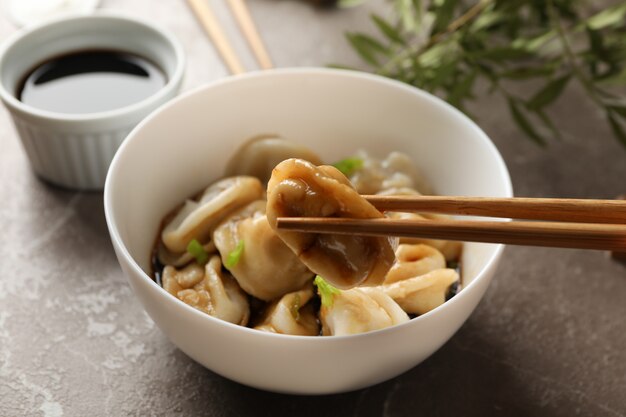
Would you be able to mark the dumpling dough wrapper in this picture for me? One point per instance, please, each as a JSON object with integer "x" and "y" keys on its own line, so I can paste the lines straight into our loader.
{"x": 360, "y": 310}
{"x": 298, "y": 188}
{"x": 198, "y": 219}
{"x": 292, "y": 314}
{"x": 267, "y": 268}
{"x": 209, "y": 289}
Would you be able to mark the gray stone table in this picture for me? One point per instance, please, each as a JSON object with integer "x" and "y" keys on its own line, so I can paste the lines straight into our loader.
{"x": 548, "y": 339}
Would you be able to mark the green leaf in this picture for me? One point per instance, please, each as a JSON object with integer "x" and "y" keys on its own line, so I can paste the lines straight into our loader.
{"x": 524, "y": 73}
{"x": 533, "y": 44}
{"x": 234, "y": 257}
{"x": 435, "y": 55}
{"x": 614, "y": 80}
{"x": 617, "y": 129}
{"x": 326, "y": 291}
{"x": 349, "y": 3}
{"x": 487, "y": 19}
{"x": 499, "y": 54}
{"x": 547, "y": 122}
{"x": 418, "y": 8}
{"x": 620, "y": 110}
{"x": 566, "y": 8}
{"x": 367, "y": 47}
{"x": 443, "y": 15}
{"x": 596, "y": 42}
{"x": 462, "y": 89}
{"x": 442, "y": 75}
{"x": 549, "y": 93}
{"x": 349, "y": 165}
{"x": 608, "y": 17}
{"x": 522, "y": 121}
{"x": 196, "y": 250}
{"x": 388, "y": 30}
{"x": 409, "y": 13}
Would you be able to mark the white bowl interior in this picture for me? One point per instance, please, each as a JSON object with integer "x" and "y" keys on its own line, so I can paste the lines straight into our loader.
{"x": 185, "y": 145}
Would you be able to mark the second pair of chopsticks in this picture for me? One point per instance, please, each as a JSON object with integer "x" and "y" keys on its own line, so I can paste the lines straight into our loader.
{"x": 573, "y": 223}
{"x": 214, "y": 29}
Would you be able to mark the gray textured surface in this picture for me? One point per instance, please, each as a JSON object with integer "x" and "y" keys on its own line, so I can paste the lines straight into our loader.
{"x": 547, "y": 340}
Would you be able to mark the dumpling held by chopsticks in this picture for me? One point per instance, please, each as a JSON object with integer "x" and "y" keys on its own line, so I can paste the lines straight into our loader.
{"x": 298, "y": 188}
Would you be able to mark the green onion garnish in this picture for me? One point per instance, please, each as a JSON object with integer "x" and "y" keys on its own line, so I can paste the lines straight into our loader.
{"x": 197, "y": 251}
{"x": 234, "y": 256}
{"x": 326, "y": 291}
{"x": 295, "y": 307}
{"x": 349, "y": 165}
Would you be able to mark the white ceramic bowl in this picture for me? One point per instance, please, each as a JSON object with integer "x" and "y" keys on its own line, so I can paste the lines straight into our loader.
{"x": 75, "y": 150}
{"x": 184, "y": 146}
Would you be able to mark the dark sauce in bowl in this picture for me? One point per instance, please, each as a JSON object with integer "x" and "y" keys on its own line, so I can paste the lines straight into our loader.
{"x": 90, "y": 81}
{"x": 456, "y": 286}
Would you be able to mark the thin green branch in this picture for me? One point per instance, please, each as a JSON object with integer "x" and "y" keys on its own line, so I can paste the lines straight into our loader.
{"x": 505, "y": 40}
{"x": 417, "y": 50}
{"x": 571, "y": 58}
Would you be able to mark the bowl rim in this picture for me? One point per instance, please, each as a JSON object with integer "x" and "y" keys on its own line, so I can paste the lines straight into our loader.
{"x": 172, "y": 84}
{"x": 303, "y": 71}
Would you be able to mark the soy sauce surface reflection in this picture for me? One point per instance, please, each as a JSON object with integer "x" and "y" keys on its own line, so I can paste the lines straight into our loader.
{"x": 91, "y": 81}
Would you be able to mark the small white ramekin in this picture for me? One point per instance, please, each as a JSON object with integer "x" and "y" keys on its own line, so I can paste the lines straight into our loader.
{"x": 75, "y": 150}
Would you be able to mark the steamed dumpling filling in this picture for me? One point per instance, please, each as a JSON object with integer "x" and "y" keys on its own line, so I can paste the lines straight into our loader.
{"x": 221, "y": 253}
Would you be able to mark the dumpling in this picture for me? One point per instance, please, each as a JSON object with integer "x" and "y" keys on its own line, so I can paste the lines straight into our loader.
{"x": 396, "y": 171}
{"x": 398, "y": 191}
{"x": 258, "y": 156}
{"x": 420, "y": 294}
{"x": 414, "y": 260}
{"x": 292, "y": 314}
{"x": 368, "y": 178}
{"x": 360, "y": 310}
{"x": 197, "y": 219}
{"x": 450, "y": 249}
{"x": 403, "y": 173}
{"x": 266, "y": 268}
{"x": 298, "y": 188}
{"x": 209, "y": 290}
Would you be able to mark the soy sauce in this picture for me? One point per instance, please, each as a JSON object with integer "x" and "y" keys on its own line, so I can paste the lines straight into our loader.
{"x": 91, "y": 81}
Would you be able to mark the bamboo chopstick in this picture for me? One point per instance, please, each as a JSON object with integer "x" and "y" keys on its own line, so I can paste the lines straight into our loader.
{"x": 556, "y": 209}
{"x": 553, "y": 234}
{"x": 250, "y": 32}
{"x": 211, "y": 25}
